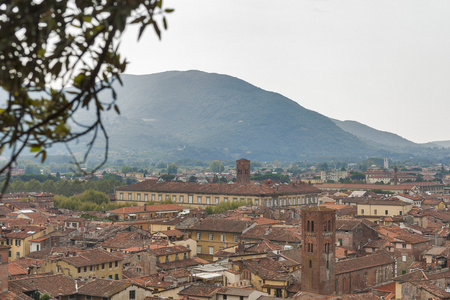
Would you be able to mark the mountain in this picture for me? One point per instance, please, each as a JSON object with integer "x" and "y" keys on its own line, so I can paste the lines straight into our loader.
{"x": 193, "y": 114}
{"x": 211, "y": 116}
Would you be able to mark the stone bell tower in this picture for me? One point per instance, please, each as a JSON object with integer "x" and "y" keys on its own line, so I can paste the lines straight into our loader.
{"x": 243, "y": 171}
{"x": 318, "y": 250}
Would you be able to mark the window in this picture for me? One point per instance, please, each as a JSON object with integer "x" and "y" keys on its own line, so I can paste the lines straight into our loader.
{"x": 110, "y": 265}
{"x": 225, "y": 199}
{"x": 138, "y": 197}
{"x": 174, "y": 198}
{"x": 224, "y": 297}
{"x": 85, "y": 269}
{"x": 132, "y": 295}
{"x": 145, "y": 197}
{"x": 375, "y": 211}
{"x": 103, "y": 266}
{"x": 157, "y": 259}
{"x": 400, "y": 213}
{"x": 211, "y": 236}
{"x": 184, "y": 255}
{"x": 211, "y": 250}
{"x": 139, "y": 257}
{"x": 71, "y": 296}
{"x": 235, "y": 238}
{"x": 116, "y": 277}
{"x": 79, "y": 270}
{"x": 404, "y": 246}
{"x": 159, "y": 198}
{"x": 0, "y": 259}
{"x": 138, "y": 270}
{"x": 176, "y": 256}
{"x": 199, "y": 199}
{"x": 222, "y": 237}
{"x": 190, "y": 198}
{"x": 386, "y": 212}
{"x": 167, "y": 258}
{"x": 153, "y": 197}
{"x": 256, "y": 202}
{"x": 17, "y": 254}
{"x": 88, "y": 297}
{"x": 362, "y": 211}
{"x": 121, "y": 196}
{"x": 403, "y": 258}
{"x": 181, "y": 198}
{"x": 199, "y": 235}
{"x": 116, "y": 264}
{"x": 17, "y": 242}
{"x": 208, "y": 200}
{"x": 310, "y": 264}
{"x": 234, "y": 199}
{"x": 129, "y": 196}
{"x": 217, "y": 200}
{"x": 199, "y": 249}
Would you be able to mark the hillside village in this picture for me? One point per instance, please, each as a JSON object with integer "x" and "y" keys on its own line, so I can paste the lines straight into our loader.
{"x": 315, "y": 237}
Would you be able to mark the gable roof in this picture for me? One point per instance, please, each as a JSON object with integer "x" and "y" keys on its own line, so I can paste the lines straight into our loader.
{"x": 255, "y": 189}
{"x": 364, "y": 262}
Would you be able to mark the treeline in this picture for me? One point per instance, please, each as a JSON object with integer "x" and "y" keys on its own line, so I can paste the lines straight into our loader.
{"x": 63, "y": 187}
{"x": 224, "y": 206}
{"x": 89, "y": 200}
{"x": 272, "y": 177}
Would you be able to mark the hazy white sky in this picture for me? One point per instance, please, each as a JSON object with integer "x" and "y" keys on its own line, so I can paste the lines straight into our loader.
{"x": 384, "y": 63}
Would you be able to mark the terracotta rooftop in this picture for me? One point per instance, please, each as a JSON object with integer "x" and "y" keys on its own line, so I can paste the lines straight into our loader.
{"x": 272, "y": 233}
{"x": 91, "y": 257}
{"x": 199, "y": 291}
{"x": 146, "y": 208}
{"x": 354, "y": 264}
{"x": 254, "y": 189}
{"x": 102, "y": 287}
{"x": 221, "y": 225}
{"x": 53, "y": 284}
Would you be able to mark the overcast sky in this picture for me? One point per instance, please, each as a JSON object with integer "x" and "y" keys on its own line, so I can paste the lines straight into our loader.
{"x": 382, "y": 63}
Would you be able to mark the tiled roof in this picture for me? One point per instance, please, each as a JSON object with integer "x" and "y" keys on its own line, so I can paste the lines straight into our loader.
{"x": 221, "y": 225}
{"x": 91, "y": 257}
{"x": 53, "y": 251}
{"x": 272, "y": 233}
{"x": 183, "y": 263}
{"x": 343, "y": 224}
{"x": 267, "y": 268}
{"x": 233, "y": 291}
{"x": 102, "y": 287}
{"x": 146, "y": 208}
{"x": 359, "y": 263}
{"x": 199, "y": 290}
{"x": 311, "y": 296}
{"x": 170, "y": 250}
{"x": 259, "y": 190}
{"x": 53, "y": 284}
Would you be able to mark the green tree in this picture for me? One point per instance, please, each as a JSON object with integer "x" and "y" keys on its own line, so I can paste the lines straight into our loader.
{"x": 33, "y": 186}
{"x": 216, "y": 166}
{"x": 65, "y": 44}
{"x": 192, "y": 179}
{"x": 32, "y": 169}
{"x": 172, "y": 169}
{"x": 48, "y": 186}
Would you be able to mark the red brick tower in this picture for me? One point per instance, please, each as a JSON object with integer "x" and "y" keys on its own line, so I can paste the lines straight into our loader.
{"x": 243, "y": 171}
{"x": 4, "y": 251}
{"x": 318, "y": 250}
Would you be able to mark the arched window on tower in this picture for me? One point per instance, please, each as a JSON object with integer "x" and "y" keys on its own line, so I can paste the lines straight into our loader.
{"x": 329, "y": 226}
{"x": 312, "y": 226}
{"x": 308, "y": 226}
